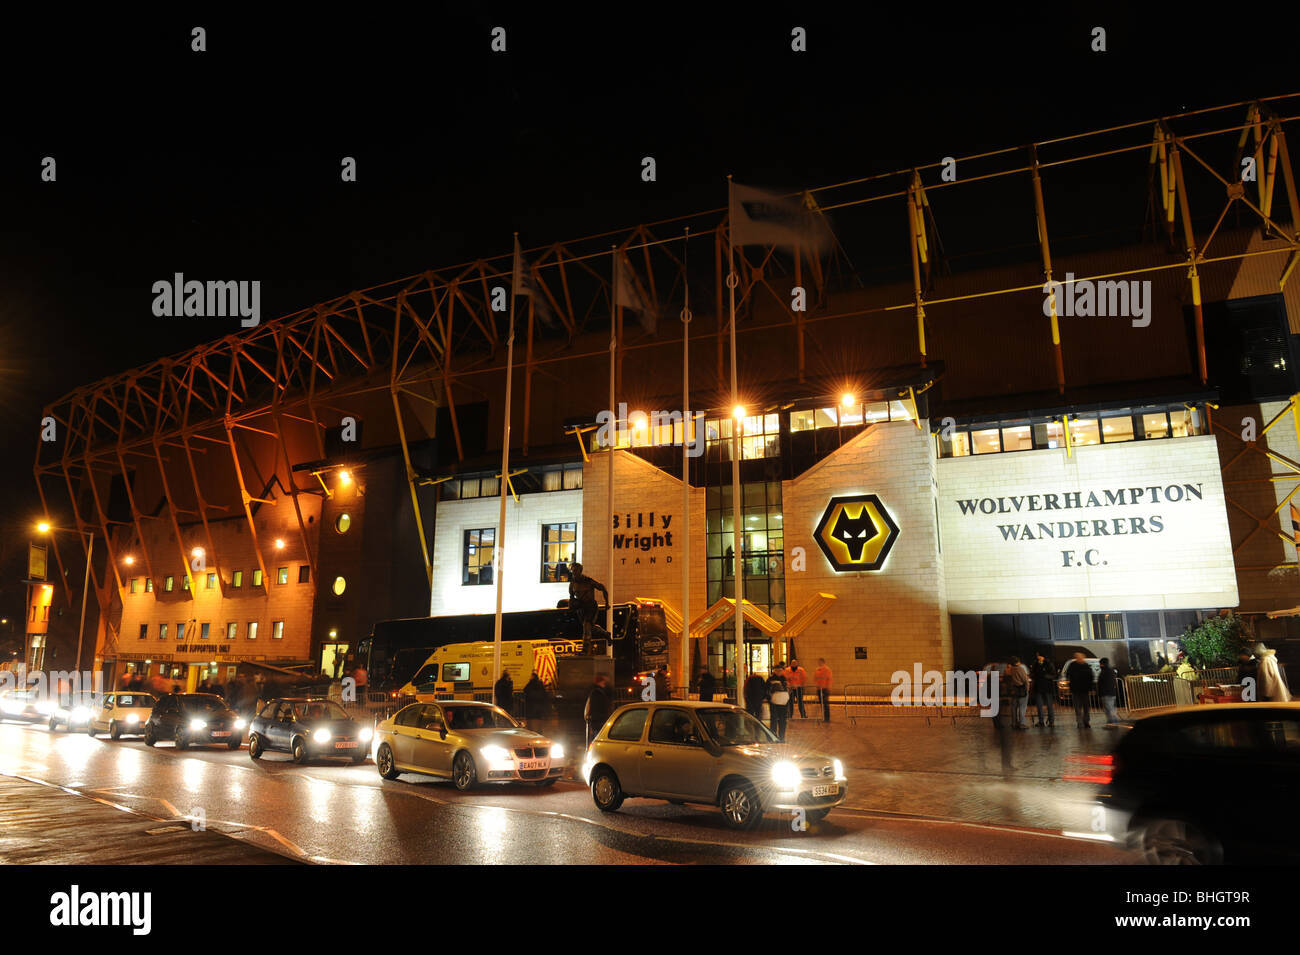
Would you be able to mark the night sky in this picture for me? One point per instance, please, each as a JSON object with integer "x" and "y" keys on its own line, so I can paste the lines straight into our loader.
{"x": 225, "y": 164}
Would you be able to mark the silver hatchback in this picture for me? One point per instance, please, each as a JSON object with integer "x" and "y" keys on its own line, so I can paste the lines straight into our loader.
{"x": 709, "y": 753}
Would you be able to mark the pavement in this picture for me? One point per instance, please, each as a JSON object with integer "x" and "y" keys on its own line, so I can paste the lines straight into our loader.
{"x": 46, "y": 824}
{"x": 962, "y": 768}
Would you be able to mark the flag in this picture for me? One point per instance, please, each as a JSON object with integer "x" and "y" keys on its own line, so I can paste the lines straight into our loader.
{"x": 765, "y": 218}
{"x": 523, "y": 283}
{"x": 627, "y": 293}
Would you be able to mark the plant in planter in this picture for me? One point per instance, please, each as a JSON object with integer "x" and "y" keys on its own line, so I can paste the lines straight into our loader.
{"x": 1215, "y": 642}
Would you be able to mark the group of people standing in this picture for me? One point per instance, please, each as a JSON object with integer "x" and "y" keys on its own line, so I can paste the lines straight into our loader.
{"x": 783, "y": 690}
{"x": 1039, "y": 682}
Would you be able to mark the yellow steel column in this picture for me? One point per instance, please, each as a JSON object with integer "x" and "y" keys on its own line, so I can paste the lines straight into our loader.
{"x": 1190, "y": 239}
{"x": 1040, "y": 214}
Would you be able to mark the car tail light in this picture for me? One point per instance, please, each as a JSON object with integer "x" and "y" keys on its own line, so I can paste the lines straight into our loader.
{"x": 1096, "y": 769}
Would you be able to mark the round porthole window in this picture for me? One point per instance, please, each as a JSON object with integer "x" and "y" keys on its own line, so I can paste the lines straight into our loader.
{"x": 343, "y": 523}
{"x": 340, "y": 585}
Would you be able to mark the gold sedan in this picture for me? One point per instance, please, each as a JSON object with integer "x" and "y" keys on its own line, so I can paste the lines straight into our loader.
{"x": 465, "y": 742}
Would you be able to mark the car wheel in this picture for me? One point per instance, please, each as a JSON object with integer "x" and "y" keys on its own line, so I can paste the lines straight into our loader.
{"x": 1172, "y": 841}
{"x": 740, "y": 806}
{"x": 606, "y": 792}
{"x": 816, "y": 815}
{"x": 358, "y": 760}
{"x": 254, "y": 746}
{"x": 90, "y": 730}
{"x": 181, "y": 741}
{"x": 234, "y": 743}
{"x": 463, "y": 772}
{"x": 300, "y": 750}
{"x": 546, "y": 782}
{"x": 149, "y": 737}
{"x": 54, "y": 724}
{"x": 384, "y": 763}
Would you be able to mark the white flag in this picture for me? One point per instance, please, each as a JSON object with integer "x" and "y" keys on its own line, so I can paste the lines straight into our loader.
{"x": 523, "y": 284}
{"x": 627, "y": 293}
{"x": 765, "y": 218}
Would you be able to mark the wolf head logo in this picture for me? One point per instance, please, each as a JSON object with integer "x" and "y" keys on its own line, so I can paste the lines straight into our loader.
{"x": 854, "y": 531}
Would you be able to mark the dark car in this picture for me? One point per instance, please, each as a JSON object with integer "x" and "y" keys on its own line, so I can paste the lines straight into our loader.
{"x": 1208, "y": 784}
{"x": 308, "y": 727}
{"x": 194, "y": 719}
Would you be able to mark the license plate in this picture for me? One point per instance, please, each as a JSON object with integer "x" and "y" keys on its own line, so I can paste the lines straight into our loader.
{"x": 221, "y": 732}
{"x": 348, "y": 745}
{"x": 534, "y": 764}
{"x": 826, "y": 790}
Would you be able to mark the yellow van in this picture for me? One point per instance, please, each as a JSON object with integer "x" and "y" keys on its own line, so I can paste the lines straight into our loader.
{"x": 463, "y": 671}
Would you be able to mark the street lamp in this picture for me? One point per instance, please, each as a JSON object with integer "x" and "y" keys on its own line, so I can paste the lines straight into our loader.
{"x": 45, "y": 527}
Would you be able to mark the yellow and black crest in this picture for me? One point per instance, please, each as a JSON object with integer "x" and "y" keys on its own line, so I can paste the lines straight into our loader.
{"x": 856, "y": 532}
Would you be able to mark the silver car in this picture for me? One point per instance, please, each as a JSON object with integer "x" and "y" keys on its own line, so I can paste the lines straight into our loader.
{"x": 708, "y": 753}
{"x": 467, "y": 743}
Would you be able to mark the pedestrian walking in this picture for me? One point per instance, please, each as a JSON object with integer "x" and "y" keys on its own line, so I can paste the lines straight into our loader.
{"x": 755, "y": 694}
{"x": 797, "y": 678}
{"x": 663, "y": 688}
{"x": 1108, "y": 691}
{"x": 822, "y": 677}
{"x": 504, "y": 692}
{"x": 707, "y": 685}
{"x": 778, "y": 697}
{"x": 596, "y": 711}
{"x": 1017, "y": 682}
{"x": 1272, "y": 684}
{"x": 361, "y": 680}
{"x": 1043, "y": 673}
{"x": 536, "y": 699}
{"x": 1078, "y": 673}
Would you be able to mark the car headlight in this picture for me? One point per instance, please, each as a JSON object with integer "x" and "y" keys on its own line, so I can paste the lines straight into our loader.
{"x": 587, "y": 767}
{"x": 497, "y": 754}
{"x": 10, "y": 707}
{"x": 839, "y": 771}
{"x": 557, "y": 751}
{"x": 45, "y": 707}
{"x": 81, "y": 713}
{"x": 240, "y": 724}
{"x": 133, "y": 718}
{"x": 366, "y": 734}
{"x": 198, "y": 725}
{"x": 786, "y": 775}
{"x": 322, "y": 735}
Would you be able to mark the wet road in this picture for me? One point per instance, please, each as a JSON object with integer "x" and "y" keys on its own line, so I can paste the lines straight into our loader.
{"x": 335, "y": 812}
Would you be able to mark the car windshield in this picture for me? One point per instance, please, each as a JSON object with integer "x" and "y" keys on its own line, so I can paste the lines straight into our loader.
{"x": 477, "y": 718}
{"x": 203, "y": 704}
{"x": 320, "y": 710}
{"x": 734, "y": 727}
{"x": 134, "y": 699}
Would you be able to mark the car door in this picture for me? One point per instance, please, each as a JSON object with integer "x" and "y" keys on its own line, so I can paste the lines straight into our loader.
{"x": 429, "y": 751}
{"x": 623, "y": 748}
{"x": 674, "y": 762}
{"x": 101, "y": 716}
{"x": 404, "y": 733}
{"x": 165, "y": 718}
{"x": 279, "y": 727}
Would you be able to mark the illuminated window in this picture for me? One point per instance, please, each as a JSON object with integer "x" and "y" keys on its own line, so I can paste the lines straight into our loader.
{"x": 1085, "y": 431}
{"x": 573, "y": 477}
{"x": 237, "y": 579}
{"x": 1155, "y": 425}
{"x": 134, "y": 585}
{"x": 1019, "y": 438}
{"x": 257, "y": 578}
{"x": 344, "y": 522}
{"x": 162, "y": 631}
{"x": 185, "y": 582}
{"x": 1117, "y": 429}
{"x": 340, "y": 585}
{"x": 559, "y": 549}
{"x": 252, "y": 630}
{"x": 231, "y": 628}
{"x": 282, "y": 575}
{"x": 480, "y": 545}
{"x": 180, "y": 631}
{"x": 987, "y": 441}
{"x": 169, "y": 584}
{"x": 277, "y": 630}
{"x": 148, "y": 585}
{"x": 205, "y": 631}
{"x": 304, "y": 573}
{"x": 1049, "y": 435}
{"x": 212, "y": 581}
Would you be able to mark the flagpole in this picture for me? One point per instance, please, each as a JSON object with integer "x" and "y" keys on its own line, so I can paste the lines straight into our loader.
{"x": 684, "y": 674}
{"x": 738, "y": 530}
{"x": 613, "y": 444}
{"x": 505, "y": 471}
